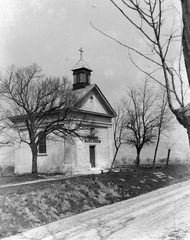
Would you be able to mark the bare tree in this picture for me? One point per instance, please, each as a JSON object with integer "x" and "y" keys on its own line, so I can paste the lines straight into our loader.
{"x": 6, "y": 137}
{"x": 119, "y": 128}
{"x": 169, "y": 144}
{"x": 45, "y": 105}
{"x": 141, "y": 118}
{"x": 149, "y": 17}
{"x": 165, "y": 121}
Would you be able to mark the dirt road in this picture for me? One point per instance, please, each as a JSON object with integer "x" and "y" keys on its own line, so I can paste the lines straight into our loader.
{"x": 162, "y": 214}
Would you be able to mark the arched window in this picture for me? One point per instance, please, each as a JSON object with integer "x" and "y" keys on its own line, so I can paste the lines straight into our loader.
{"x": 42, "y": 144}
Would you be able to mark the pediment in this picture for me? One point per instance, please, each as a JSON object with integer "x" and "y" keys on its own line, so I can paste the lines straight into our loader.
{"x": 93, "y": 104}
{"x": 92, "y": 99}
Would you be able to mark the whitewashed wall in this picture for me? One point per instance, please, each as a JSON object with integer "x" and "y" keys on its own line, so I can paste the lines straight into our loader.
{"x": 65, "y": 157}
{"x": 7, "y": 156}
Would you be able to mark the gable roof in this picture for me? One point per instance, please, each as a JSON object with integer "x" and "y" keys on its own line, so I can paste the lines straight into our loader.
{"x": 83, "y": 92}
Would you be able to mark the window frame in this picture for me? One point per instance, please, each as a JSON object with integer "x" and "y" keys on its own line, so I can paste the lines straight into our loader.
{"x": 42, "y": 146}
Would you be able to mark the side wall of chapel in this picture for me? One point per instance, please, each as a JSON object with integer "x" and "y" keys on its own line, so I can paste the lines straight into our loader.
{"x": 62, "y": 156}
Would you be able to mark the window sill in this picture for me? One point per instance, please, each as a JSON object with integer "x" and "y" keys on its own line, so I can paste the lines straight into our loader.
{"x": 42, "y": 154}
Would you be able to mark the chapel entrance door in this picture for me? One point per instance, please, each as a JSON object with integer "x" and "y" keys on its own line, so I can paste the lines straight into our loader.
{"x": 92, "y": 156}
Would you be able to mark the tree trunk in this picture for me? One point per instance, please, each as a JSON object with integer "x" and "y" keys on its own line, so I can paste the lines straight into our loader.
{"x": 34, "y": 159}
{"x": 186, "y": 52}
{"x": 186, "y": 35}
{"x": 114, "y": 158}
{"x": 188, "y": 133}
{"x": 137, "y": 162}
{"x": 183, "y": 116}
{"x": 155, "y": 151}
{"x": 168, "y": 158}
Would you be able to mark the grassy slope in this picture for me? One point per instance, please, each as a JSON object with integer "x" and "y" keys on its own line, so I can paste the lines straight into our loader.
{"x": 29, "y": 206}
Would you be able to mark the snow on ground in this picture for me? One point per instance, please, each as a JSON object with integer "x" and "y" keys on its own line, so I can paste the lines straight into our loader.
{"x": 163, "y": 214}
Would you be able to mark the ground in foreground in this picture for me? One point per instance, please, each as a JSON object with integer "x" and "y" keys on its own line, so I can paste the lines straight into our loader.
{"x": 157, "y": 215}
{"x": 24, "y": 207}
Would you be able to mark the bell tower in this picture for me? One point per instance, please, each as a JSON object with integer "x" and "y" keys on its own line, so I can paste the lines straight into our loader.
{"x": 81, "y": 73}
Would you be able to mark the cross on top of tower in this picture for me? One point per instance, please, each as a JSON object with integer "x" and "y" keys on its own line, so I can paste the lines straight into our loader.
{"x": 81, "y": 51}
{"x": 81, "y": 63}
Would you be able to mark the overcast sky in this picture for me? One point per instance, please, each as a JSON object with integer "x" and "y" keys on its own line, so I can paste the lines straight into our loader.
{"x": 50, "y": 33}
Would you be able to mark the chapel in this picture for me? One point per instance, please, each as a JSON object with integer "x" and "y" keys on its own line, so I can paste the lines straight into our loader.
{"x": 91, "y": 154}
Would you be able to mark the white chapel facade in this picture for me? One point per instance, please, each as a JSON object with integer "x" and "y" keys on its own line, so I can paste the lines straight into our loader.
{"x": 85, "y": 155}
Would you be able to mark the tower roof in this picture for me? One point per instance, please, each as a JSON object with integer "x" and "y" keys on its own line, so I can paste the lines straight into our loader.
{"x": 81, "y": 64}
